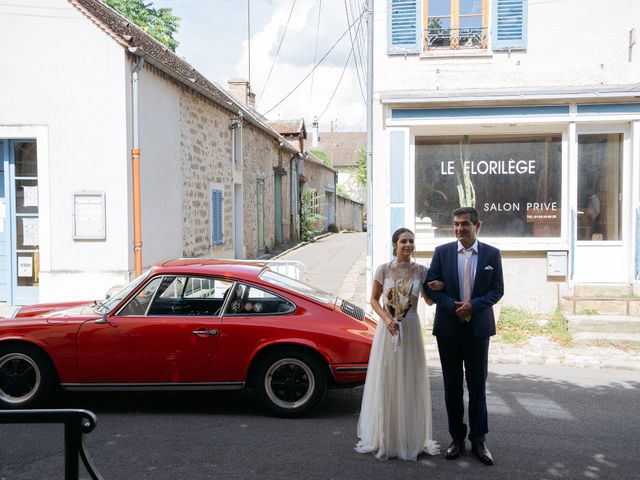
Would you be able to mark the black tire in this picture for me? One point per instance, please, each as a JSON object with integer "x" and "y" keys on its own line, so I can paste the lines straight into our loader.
{"x": 27, "y": 377}
{"x": 290, "y": 383}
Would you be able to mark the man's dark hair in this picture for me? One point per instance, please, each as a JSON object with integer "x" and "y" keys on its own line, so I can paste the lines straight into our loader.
{"x": 472, "y": 212}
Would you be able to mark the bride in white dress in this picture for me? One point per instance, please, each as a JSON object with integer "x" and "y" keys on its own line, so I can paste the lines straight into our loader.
{"x": 395, "y": 417}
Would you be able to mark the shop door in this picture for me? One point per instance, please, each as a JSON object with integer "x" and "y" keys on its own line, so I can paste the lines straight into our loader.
{"x": 601, "y": 221}
{"x": 260, "y": 193}
{"x": 278, "y": 212}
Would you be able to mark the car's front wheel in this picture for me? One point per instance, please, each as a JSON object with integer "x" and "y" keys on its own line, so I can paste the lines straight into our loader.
{"x": 26, "y": 376}
{"x": 290, "y": 383}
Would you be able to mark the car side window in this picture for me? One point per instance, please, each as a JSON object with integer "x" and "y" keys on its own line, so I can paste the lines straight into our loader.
{"x": 252, "y": 301}
{"x": 190, "y": 296}
{"x": 137, "y": 306}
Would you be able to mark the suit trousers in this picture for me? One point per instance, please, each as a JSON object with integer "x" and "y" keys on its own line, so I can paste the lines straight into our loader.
{"x": 465, "y": 356}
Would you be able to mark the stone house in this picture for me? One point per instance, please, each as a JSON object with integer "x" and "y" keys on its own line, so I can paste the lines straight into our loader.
{"x": 84, "y": 96}
{"x": 312, "y": 173}
{"x": 343, "y": 149}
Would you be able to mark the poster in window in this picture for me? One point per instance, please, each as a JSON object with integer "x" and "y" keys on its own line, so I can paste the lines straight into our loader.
{"x": 30, "y": 196}
{"x": 30, "y": 232}
{"x": 25, "y": 266}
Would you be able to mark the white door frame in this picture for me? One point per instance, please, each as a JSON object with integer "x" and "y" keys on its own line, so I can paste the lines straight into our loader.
{"x": 608, "y": 261}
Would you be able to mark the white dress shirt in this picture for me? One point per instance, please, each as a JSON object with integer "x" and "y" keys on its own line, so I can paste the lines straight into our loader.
{"x": 474, "y": 264}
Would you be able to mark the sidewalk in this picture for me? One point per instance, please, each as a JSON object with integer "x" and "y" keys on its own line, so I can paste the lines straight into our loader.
{"x": 537, "y": 351}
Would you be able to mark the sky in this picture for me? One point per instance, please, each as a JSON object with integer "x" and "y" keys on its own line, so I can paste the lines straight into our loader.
{"x": 213, "y": 38}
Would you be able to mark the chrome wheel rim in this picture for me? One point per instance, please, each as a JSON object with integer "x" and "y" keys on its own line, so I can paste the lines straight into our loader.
{"x": 289, "y": 383}
{"x": 19, "y": 378}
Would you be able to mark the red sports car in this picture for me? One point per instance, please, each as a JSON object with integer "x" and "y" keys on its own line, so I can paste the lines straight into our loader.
{"x": 191, "y": 325}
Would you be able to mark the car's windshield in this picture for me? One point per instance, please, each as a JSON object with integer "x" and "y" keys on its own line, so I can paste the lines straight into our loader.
{"x": 296, "y": 286}
{"x": 114, "y": 300}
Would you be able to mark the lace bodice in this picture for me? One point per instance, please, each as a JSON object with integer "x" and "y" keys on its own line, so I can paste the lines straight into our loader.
{"x": 406, "y": 277}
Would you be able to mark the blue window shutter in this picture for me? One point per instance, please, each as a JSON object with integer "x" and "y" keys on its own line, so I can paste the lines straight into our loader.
{"x": 404, "y": 26}
{"x": 510, "y": 25}
{"x": 216, "y": 217}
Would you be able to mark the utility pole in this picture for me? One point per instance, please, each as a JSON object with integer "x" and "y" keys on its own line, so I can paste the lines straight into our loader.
{"x": 370, "y": 214}
{"x": 249, "y": 37}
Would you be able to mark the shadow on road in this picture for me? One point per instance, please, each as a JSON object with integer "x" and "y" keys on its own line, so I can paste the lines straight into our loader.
{"x": 567, "y": 424}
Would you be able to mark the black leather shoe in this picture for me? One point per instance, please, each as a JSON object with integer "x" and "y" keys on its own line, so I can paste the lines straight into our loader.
{"x": 482, "y": 452}
{"x": 455, "y": 450}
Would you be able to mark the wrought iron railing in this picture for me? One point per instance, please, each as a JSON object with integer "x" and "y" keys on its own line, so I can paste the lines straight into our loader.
{"x": 76, "y": 422}
{"x": 455, "y": 38}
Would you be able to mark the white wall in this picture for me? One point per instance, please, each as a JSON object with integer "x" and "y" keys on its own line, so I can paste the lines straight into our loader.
{"x": 64, "y": 79}
{"x": 160, "y": 169}
{"x": 570, "y": 43}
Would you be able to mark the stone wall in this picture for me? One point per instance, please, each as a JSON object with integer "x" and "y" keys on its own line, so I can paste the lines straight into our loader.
{"x": 323, "y": 180}
{"x": 205, "y": 149}
{"x": 206, "y": 153}
{"x": 262, "y": 154}
{"x": 349, "y": 214}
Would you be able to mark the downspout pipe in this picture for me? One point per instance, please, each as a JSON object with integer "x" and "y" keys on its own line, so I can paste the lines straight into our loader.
{"x": 135, "y": 162}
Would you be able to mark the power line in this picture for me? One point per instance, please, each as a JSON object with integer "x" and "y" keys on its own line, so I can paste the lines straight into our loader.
{"x": 278, "y": 50}
{"x": 342, "y": 74}
{"x": 315, "y": 66}
{"x": 315, "y": 56}
{"x": 354, "y": 42}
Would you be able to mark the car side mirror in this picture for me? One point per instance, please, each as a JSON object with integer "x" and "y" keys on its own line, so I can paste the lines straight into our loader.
{"x": 104, "y": 319}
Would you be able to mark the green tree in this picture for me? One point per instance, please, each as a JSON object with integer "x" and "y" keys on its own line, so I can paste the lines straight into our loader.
{"x": 160, "y": 23}
{"x": 360, "y": 171}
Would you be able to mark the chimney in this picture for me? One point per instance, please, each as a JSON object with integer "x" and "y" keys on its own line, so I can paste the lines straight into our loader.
{"x": 241, "y": 91}
{"x": 315, "y": 138}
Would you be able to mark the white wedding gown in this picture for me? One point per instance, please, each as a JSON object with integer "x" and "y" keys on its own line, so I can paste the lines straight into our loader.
{"x": 395, "y": 417}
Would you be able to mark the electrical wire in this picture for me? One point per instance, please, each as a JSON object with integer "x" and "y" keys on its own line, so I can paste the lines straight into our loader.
{"x": 315, "y": 56}
{"x": 277, "y": 51}
{"x": 342, "y": 74}
{"x": 354, "y": 41}
{"x": 317, "y": 65}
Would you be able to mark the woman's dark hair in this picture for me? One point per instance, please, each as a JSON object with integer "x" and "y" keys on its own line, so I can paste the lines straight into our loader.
{"x": 396, "y": 236}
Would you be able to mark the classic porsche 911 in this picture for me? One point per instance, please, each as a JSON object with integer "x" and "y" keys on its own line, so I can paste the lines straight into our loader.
{"x": 190, "y": 325}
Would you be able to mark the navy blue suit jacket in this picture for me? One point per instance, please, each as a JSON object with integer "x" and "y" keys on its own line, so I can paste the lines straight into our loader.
{"x": 488, "y": 288}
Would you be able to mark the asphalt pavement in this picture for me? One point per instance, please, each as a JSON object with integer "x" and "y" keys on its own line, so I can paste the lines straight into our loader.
{"x": 545, "y": 423}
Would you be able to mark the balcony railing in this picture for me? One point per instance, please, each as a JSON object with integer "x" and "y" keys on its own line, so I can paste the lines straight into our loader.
{"x": 455, "y": 38}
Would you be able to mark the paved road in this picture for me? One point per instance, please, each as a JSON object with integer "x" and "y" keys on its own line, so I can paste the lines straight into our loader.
{"x": 546, "y": 423}
{"x": 329, "y": 260}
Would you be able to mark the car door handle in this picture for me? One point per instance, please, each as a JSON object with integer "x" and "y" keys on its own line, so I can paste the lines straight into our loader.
{"x": 205, "y": 332}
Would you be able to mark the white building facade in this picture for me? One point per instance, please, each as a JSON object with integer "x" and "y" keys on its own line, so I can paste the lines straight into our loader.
{"x": 66, "y": 140}
{"x": 528, "y": 110}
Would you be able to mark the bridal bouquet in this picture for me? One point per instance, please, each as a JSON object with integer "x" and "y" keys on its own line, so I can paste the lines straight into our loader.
{"x": 398, "y": 304}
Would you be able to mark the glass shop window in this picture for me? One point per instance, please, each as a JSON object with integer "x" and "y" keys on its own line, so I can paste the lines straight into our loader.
{"x": 513, "y": 181}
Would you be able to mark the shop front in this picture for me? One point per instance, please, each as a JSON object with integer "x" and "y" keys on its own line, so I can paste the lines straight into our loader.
{"x": 556, "y": 187}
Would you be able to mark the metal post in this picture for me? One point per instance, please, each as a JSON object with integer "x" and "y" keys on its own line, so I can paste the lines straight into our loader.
{"x": 370, "y": 214}
{"x": 72, "y": 447}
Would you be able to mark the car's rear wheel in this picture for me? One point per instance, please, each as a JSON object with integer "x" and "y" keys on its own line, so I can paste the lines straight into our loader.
{"x": 290, "y": 383}
{"x": 26, "y": 376}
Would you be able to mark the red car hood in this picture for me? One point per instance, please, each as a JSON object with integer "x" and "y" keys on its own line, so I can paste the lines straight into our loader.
{"x": 66, "y": 309}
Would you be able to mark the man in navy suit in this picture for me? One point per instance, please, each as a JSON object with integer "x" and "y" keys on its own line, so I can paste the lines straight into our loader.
{"x": 464, "y": 322}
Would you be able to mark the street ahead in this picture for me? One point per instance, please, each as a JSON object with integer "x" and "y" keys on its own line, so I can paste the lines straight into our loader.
{"x": 546, "y": 423}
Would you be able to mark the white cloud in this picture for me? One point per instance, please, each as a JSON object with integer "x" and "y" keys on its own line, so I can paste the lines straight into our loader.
{"x": 295, "y": 61}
